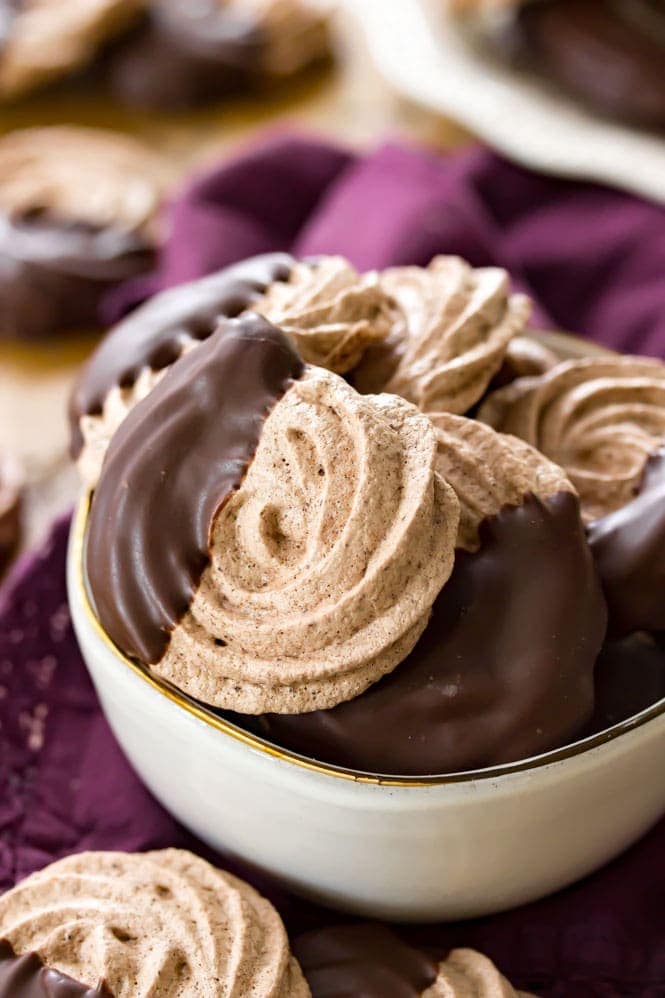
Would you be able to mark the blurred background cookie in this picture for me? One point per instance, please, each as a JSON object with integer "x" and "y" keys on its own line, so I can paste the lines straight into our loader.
{"x": 78, "y": 215}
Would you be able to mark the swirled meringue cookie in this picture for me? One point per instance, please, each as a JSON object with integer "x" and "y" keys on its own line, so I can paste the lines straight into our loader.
{"x": 189, "y": 53}
{"x": 78, "y": 214}
{"x": 11, "y": 494}
{"x": 332, "y": 313}
{"x": 129, "y": 925}
{"x": 458, "y": 323}
{"x": 600, "y": 419}
{"x": 292, "y": 535}
{"x": 373, "y": 962}
{"x": 504, "y": 669}
{"x": 45, "y": 40}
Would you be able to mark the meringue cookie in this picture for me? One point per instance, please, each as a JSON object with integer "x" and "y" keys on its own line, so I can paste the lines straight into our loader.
{"x": 504, "y": 669}
{"x": 164, "y": 922}
{"x": 373, "y": 961}
{"x": 331, "y": 312}
{"x": 186, "y": 54}
{"x": 135, "y": 354}
{"x": 489, "y": 471}
{"x": 303, "y": 530}
{"x": 48, "y": 39}
{"x": 459, "y": 322}
{"x": 600, "y": 419}
{"x": 78, "y": 214}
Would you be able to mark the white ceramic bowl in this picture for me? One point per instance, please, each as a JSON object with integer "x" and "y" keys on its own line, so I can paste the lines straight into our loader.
{"x": 411, "y": 849}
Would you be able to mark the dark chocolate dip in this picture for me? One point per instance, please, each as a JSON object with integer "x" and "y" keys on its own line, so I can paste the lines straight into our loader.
{"x": 153, "y": 335}
{"x": 629, "y": 548}
{"x": 27, "y": 977}
{"x": 170, "y": 467}
{"x": 504, "y": 670}
{"x": 53, "y": 272}
{"x": 607, "y": 52}
{"x": 363, "y": 961}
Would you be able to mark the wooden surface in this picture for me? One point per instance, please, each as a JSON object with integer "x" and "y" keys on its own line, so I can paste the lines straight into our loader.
{"x": 349, "y": 102}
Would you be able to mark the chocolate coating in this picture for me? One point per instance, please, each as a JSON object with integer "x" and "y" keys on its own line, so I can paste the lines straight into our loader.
{"x": 630, "y": 676}
{"x": 54, "y": 273}
{"x": 608, "y": 52}
{"x": 185, "y": 54}
{"x": 362, "y": 961}
{"x": 27, "y": 977}
{"x": 170, "y": 467}
{"x": 153, "y": 335}
{"x": 503, "y": 671}
{"x": 629, "y": 548}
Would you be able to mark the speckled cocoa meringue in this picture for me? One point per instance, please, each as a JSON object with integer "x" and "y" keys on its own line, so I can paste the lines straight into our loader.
{"x": 600, "y": 419}
{"x": 459, "y": 322}
{"x": 163, "y": 922}
{"x": 50, "y": 39}
{"x": 326, "y": 561}
{"x": 490, "y": 470}
{"x": 332, "y": 313}
{"x": 371, "y": 960}
{"x": 82, "y": 175}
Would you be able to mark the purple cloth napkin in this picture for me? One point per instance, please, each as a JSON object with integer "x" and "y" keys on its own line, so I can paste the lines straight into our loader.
{"x": 594, "y": 260}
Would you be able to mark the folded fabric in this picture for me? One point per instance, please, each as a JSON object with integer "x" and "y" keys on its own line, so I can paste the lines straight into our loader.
{"x": 594, "y": 260}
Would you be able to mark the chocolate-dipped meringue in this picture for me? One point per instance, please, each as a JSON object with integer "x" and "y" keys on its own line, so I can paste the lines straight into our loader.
{"x": 504, "y": 669}
{"x": 335, "y": 317}
{"x": 43, "y": 40}
{"x": 263, "y": 536}
{"x": 189, "y": 53}
{"x": 78, "y": 214}
{"x": 599, "y": 418}
{"x": 136, "y": 353}
{"x": 135, "y": 925}
{"x": 373, "y": 962}
{"x": 11, "y": 495}
{"x": 458, "y": 323}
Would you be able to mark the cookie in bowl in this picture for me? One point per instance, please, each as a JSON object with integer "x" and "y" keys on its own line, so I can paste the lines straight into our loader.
{"x": 603, "y": 420}
{"x": 187, "y": 54}
{"x": 79, "y": 214}
{"x": 130, "y": 925}
{"x": 367, "y": 620}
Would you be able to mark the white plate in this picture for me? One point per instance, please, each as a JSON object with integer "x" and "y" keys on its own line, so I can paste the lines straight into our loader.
{"x": 424, "y": 55}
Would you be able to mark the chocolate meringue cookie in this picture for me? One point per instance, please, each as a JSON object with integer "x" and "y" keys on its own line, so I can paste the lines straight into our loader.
{"x": 135, "y": 354}
{"x": 608, "y": 53}
{"x": 458, "y": 323}
{"x": 186, "y": 54}
{"x": 11, "y": 494}
{"x": 44, "y": 40}
{"x": 134, "y": 925}
{"x": 331, "y": 313}
{"x": 371, "y": 961}
{"x": 78, "y": 215}
{"x": 599, "y": 418}
{"x": 504, "y": 669}
{"x": 264, "y": 537}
